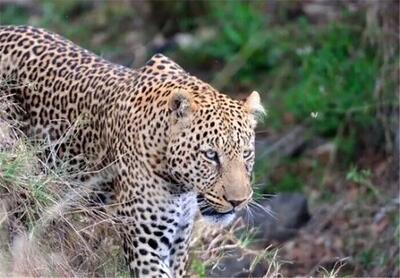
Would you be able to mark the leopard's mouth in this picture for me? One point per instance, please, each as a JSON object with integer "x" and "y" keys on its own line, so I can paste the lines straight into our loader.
{"x": 209, "y": 211}
{"x": 210, "y": 214}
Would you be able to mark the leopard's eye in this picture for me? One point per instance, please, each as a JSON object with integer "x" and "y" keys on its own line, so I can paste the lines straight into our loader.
{"x": 211, "y": 155}
{"x": 247, "y": 154}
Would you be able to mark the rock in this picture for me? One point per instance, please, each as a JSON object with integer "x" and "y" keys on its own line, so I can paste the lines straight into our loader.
{"x": 289, "y": 212}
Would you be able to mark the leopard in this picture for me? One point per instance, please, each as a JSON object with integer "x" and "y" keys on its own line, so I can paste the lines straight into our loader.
{"x": 163, "y": 146}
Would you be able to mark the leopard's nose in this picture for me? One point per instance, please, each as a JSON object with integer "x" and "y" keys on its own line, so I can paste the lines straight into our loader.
{"x": 236, "y": 203}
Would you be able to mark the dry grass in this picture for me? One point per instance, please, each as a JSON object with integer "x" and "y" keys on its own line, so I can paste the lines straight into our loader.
{"x": 211, "y": 245}
{"x": 46, "y": 225}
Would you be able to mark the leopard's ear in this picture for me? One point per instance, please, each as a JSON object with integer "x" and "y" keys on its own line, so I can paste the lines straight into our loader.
{"x": 181, "y": 106}
{"x": 254, "y": 106}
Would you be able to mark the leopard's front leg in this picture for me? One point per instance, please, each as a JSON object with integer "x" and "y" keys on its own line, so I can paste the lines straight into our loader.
{"x": 145, "y": 241}
{"x": 156, "y": 232}
{"x": 180, "y": 253}
{"x": 184, "y": 227}
{"x": 142, "y": 259}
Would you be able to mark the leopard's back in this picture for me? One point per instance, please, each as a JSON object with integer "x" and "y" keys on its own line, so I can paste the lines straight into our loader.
{"x": 57, "y": 88}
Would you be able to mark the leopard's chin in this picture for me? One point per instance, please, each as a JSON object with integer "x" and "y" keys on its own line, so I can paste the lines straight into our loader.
{"x": 214, "y": 217}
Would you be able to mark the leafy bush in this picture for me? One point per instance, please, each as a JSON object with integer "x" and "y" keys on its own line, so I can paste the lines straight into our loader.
{"x": 336, "y": 77}
{"x": 330, "y": 69}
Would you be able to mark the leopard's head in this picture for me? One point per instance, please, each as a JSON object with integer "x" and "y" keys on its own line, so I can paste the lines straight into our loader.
{"x": 211, "y": 148}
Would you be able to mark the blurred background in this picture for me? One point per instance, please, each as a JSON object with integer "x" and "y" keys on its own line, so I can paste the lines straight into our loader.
{"x": 328, "y": 149}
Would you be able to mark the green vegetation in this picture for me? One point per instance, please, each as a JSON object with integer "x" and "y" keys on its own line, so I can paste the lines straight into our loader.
{"x": 363, "y": 178}
{"x": 17, "y": 169}
{"x": 14, "y": 15}
{"x": 240, "y": 34}
{"x": 337, "y": 73}
{"x": 289, "y": 182}
{"x": 299, "y": 68}
{"x": 198, "y": 267}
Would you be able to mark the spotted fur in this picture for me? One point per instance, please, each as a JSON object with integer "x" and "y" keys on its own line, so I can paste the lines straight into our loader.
{"x": 159, "y": 142}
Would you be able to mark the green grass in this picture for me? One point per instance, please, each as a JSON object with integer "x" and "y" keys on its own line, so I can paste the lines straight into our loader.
{"x": 289, "y": 183}
{"x": 335, "y": 78}
{"x": 363, "y": 178}
{"x": 368, "y": 258}
{"x": 198, "y": 267}
{"x": 20, "y": 168}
